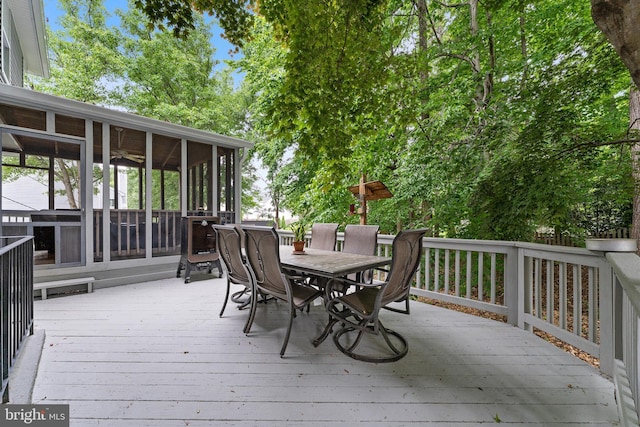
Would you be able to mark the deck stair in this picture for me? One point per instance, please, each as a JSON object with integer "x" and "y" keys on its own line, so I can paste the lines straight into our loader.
{"x": 43, "y": 286}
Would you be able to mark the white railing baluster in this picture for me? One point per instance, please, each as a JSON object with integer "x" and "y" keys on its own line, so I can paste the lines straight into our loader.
{"x": 577, "y": 300}
{"x": 446, "y": 271}
{"x": 493, "y": 278}
{"x": 427, "y": 268}
{"x": 457, "y": 274}
{"x": 480, "y": 271}
{"x": 469, "y": 263}
{"x": 592, "y": 307}
{"x": 436, "y": 271}
{"x": 562, "y": 303}
{"x": 538, "y": 287}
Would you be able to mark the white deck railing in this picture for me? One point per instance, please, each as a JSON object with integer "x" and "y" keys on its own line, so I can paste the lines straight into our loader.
{"x": 626, "y": 309}
{"x": 564, "y": 291}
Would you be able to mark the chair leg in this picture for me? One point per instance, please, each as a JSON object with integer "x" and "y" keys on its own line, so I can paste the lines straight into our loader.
{"x": 226, "y": 298}
{"x": 243, "y": 304}
{"x": 356, "y": 342}
{"x": 187, "y": 273}
{"x": 292, "y": 312}
{"x": 254, "y": 303}
{"x": 396, "y": 353}
{"x": 385, "y": 334}
{"x": 237, "y": 297}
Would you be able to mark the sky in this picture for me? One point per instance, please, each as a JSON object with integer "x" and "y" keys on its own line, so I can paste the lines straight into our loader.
{"x": 53, "y": 12}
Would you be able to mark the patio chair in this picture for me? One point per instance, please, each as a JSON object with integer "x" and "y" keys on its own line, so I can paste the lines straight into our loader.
{"x": 263, "y": 260}
{"x": 359, "y": 311}
{"x": 324, "y": 236}
{"x": 229, "y": 248}
{"x": 362, "y": 240}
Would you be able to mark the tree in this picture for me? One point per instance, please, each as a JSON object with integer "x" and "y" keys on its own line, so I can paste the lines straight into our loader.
{"x": 619, "y": 20}
{"x": 174, "y": 79}
{"x": 84, "y": 62}
{"x": 480, "y": 127}
{"x": 234, "y": 15}
{"x": 83, "y": 54}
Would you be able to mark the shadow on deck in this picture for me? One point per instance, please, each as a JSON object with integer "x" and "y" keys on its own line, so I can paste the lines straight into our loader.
{"x": 157, "y": 354}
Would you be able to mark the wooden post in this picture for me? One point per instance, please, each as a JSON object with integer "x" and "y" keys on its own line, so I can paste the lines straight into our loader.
{"x": 363, "y": 200}
{"x": 365, "y": 191}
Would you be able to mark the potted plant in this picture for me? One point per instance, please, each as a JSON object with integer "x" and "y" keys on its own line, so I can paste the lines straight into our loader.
{"x": 299, "y": 230}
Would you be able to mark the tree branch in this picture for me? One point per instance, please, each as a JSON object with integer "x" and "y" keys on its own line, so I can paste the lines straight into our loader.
{"x": 454, "y": 5}
{"x": 594, "y": 144}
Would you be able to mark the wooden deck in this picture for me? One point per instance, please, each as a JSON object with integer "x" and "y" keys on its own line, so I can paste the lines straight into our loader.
{"x": 157, "y": 354}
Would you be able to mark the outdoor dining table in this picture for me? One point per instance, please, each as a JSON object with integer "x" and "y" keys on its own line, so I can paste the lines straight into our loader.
{"x": 328, "y": 265}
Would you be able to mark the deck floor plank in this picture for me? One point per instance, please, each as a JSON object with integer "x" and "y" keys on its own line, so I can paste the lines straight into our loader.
{"x": 157, "y": 354}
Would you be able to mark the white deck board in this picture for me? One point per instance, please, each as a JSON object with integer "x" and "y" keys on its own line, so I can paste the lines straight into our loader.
{"x": 157, "y": 354}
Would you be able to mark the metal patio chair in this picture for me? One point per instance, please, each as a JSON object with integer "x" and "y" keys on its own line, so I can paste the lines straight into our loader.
{"x": 362, "y": 240}
{"x": 359, "y": 311}
{"x": 230, "y": 250}
{"x": 263, "y": 260}
{"x": 324, "y": 236}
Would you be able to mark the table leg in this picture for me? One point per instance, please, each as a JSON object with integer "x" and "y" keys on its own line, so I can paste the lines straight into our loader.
{"x": 327, "y": 286}
{"x": 325, "y": 333}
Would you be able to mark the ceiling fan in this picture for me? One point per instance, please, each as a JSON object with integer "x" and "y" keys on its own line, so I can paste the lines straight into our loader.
{"x": 120, "y": 153}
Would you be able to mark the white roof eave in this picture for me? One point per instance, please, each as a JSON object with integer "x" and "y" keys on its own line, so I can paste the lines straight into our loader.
{"x": 28, "y": 16}
{"x": 27, "y": 98}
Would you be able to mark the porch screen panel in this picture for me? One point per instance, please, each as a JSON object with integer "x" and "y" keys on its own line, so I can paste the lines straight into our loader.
{"x": 42, "y": 189}
{"x": 226, "y": 199}
{"x": 199, "y": 191}
{"x": 127, "y": 222}
{"x": 165, "y": 196}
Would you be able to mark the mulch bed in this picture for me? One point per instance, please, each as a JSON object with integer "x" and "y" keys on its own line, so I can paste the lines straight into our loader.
{"x": 593, "y": 361}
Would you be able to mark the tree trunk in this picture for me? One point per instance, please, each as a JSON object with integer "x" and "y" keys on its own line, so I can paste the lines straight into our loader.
{"x": 619, "y": 20}
{"x": 423, "y": 28}
{"x": 634, "y": 118}
{"x": 65, "y": 177}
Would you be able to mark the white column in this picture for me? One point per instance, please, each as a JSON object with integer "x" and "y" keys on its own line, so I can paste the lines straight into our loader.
{"x": 183, "y": 177}
{"x": 148, "y": 196}
{"x": 237, "y": 184}
{"x": 106, "y": 191}
{"x": 87, "y": 191}
{"x": 213, "y": 182}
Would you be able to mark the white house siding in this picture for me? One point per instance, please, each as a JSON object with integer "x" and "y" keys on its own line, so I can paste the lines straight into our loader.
{"x": 27, "y": 193}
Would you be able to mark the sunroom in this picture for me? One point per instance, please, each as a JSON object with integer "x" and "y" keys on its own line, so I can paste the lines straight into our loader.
{"x": 101, "y": 190}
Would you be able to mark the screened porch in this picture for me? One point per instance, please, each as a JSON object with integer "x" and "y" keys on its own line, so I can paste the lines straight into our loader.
{"x": 94, "y": 185}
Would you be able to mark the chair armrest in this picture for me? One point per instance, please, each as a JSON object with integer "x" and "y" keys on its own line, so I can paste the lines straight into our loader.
{"x": 294, "y": 278}
{"x": 345, "y": 283}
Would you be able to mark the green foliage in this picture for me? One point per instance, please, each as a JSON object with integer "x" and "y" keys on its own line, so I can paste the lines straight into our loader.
{"x": 483, "y": 134}
{"x": 84, "y": 61}
{"x": 178, "y": 15}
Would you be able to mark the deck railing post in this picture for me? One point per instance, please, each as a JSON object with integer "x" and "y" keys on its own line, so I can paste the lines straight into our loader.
{"x": 514, "y": 289}
{"x": 607, "y": 323}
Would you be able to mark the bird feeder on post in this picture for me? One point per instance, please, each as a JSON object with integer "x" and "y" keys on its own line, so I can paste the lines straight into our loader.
{"x": 365, "y": 191}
